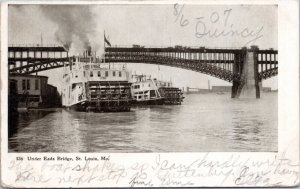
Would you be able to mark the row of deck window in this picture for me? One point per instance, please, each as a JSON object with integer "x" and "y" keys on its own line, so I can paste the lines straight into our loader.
{"x": 26, "y": 84}
{"x": 106, "y": 73}
{"x": 138, "y": 86}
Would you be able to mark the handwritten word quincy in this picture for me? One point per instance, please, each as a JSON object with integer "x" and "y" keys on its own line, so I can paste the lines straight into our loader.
{"x": 217, "y": 25}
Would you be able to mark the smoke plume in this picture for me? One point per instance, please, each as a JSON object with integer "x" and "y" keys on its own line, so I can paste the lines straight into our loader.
{"x": 73, "y": 21}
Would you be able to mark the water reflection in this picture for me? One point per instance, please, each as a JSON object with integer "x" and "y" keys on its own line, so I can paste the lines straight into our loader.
{"x": 204, "y": 122}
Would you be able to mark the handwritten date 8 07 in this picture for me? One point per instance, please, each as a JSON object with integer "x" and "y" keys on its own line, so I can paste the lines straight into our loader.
{"x": 217, "y": 25}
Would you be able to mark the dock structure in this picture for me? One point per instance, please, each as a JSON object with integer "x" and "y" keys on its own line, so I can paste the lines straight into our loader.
{"x": 32, "y": 91}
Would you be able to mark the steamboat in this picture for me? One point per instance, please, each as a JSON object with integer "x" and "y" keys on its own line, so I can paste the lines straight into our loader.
{"x": 89, "y": 87}
{"x": 148, "y": 91}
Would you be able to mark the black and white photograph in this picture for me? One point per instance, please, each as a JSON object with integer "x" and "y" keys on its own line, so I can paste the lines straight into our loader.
{"x": 149, "y": 94}
{"x": 142, "y": 78}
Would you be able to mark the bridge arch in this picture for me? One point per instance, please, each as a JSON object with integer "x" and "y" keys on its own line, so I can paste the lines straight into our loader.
{"x": 210, "y": 70}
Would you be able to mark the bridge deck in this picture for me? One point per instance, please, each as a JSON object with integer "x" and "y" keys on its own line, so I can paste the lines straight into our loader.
{"x": 223, "y": 63}
{"x": 181, "y": 49}
{"x": 44, "y": 49}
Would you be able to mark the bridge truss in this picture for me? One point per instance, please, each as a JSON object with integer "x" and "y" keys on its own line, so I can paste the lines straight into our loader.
{"x": 225, "y": 64}
{"x": 33, "y": 59}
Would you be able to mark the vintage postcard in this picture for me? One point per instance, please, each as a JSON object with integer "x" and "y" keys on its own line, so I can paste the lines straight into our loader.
{"x": 150, "y": 93}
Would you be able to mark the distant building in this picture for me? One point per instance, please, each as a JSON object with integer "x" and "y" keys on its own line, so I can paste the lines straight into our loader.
{"x": 217, "y": 89}
{"x": 195, "y": 90}
{"x": 266, "y": 89}
{"x": 34, "y": 91}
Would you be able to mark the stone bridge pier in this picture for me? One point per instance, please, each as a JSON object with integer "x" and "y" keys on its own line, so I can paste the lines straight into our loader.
{"x": 246, "y": 64}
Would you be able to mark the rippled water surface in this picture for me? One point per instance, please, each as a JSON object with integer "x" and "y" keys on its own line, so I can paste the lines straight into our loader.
{"x": 204, "y": 122}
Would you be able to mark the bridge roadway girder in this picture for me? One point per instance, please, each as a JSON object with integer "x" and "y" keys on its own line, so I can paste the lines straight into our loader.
{"x": 36, "y": 49}
{"x": 34, "y": 54}
{"x": 180, "y": 50}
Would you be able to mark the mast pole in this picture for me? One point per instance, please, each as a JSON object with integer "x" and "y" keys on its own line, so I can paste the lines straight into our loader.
{"x": 41, "y": 39}
{"x": 104, "y": 48}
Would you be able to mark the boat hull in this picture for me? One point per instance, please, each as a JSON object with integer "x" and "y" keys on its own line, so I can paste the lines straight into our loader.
{"x": 101, "y": 106}
{"x": 149, "y": 102}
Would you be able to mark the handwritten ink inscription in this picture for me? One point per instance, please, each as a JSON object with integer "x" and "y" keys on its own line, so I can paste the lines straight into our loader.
{"x": 179, "y": 15}
{"x": 217, "y": 25}
{"x": 159, "y": 172}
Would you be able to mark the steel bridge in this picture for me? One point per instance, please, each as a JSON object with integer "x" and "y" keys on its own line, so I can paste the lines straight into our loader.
{"x": 32, "y": 59}
{"x": 245, "y": 68}
{"x": 225, "y": 64}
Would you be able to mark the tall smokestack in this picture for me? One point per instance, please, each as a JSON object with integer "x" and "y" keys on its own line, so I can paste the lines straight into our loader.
{"x": 89, "y": 51}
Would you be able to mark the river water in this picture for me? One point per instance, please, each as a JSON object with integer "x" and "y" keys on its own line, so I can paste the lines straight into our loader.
{"x": 204, "y": 122}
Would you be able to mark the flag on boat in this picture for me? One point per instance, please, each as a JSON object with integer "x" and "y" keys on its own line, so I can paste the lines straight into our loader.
{"x": 106, "y": 41}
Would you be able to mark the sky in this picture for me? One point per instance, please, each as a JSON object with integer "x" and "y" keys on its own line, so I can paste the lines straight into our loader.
{"x": 78, "y": 26}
